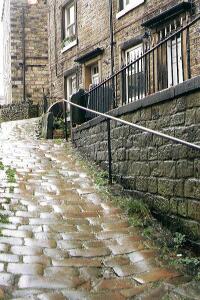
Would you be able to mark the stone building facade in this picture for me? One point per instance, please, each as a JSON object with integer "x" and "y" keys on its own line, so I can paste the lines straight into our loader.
{"x": 80, "y": 45}
{"x": 25, "y": 50}
{"x": 89, "y": 35}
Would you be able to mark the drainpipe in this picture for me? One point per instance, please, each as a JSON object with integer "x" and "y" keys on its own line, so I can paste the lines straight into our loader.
{"x": 55, "y": 38}
{"x": 24, "y": 55}
{"x": 111, "y": 37}
{"x": 112, "y": 43}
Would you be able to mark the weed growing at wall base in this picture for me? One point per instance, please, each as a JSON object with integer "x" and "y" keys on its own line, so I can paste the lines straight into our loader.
{"x": 11, "y": 175}
{"x": 1, "y": 166}
{"x": 3, "y": 218}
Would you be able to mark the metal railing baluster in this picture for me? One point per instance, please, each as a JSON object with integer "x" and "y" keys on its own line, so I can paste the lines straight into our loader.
{"x": 109, "y": 153}
{"x": 188, "y": 52}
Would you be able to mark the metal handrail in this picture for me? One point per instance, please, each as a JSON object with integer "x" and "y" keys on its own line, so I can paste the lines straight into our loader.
{"x": 142, "y": 128}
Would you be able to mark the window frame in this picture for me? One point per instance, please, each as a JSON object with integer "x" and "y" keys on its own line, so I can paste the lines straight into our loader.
{"x": 175, "y": 61}
{"x": 95, "y": 78}
{"x": 67, "y": 79}
{"x": 70, "y": 41}
{"x": 135, "y": 75}
{"x": 87, "y": 71}
{"x": 125, "y": 8}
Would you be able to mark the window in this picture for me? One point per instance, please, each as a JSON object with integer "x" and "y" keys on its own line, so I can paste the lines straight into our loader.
{"x": 32, "y": 1}
{"x": 91, "y": 74}
{"x": 127, "y": 2}
{"x": 94, "y": 74}
{"x": 70, "y": 87}
{"x": 68, "y": 26}
{"x": 170, "y": 57}
{"x": 127, "y": 5}
{"x": 135, "y": 81}
{"x": 174, "y": 59}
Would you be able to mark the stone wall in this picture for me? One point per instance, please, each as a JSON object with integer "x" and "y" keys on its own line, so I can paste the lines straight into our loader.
{"x": 18, "y": 111}
{"x": 35, "y": 47}
{"x": 167, "y": 175}
{"x": 6, "y": 53}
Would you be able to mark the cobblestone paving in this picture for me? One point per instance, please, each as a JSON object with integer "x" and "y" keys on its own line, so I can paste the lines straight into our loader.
{"x": 62, "y": 241}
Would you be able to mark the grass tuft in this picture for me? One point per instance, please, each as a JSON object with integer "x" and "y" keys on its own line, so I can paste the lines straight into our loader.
{"x": 11, "y": 175}
{"x": 3, "y": 219}
{"x": 1, "y": 166}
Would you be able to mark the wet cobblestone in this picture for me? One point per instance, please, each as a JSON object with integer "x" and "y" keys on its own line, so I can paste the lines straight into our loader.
{"x": 62, "y": 240}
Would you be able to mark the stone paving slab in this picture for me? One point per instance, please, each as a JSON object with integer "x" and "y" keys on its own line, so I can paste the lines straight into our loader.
{"x": 62, "y": 240}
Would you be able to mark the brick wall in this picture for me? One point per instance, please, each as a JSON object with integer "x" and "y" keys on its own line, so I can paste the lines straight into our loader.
{"x": 167, "y": 175}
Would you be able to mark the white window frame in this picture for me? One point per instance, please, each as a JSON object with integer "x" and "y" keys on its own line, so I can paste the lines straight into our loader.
{"x": 175, "y": 68}
{"x": 127, "y": 7}
{"x": 70, "y": 89}
{"x": 95, "y": 75}
{"x": 32, "y": 2}
{"x": 174, "y": 54}
{"x": 69, "y": 26}
{"x": 135, "y": 52}
{"x": 70, "y": 23}
{"x": 69, "y": 85}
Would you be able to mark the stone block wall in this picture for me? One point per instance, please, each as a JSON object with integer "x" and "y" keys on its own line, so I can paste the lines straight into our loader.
{"x": 35, "y": 47}
{"x": 6, "y": 53}
{"x": 18, "y": 111}
{"x": 166, "y": 174}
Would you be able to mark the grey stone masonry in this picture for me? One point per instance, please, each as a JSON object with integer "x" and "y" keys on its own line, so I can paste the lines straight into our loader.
{"x": 25, "y": 37}
{"x": 18, "y": 111}
{"x": 167, "y": 175}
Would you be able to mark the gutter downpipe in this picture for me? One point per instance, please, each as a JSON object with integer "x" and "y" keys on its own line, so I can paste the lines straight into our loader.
{"x": 112, "y": 43}
{"x": 24, "y": 55}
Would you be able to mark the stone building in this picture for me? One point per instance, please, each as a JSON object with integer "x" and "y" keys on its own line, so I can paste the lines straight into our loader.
{"x": 78, "y": 30}
{"x": 25, "y": 50}
{"x": 80, "y": 39}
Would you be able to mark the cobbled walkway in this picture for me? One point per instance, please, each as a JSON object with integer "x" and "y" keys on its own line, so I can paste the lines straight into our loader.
{"x": 62, "y": 241}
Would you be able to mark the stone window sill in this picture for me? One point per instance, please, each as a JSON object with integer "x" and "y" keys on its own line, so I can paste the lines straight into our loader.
{"x": 69, "y": 46}
{"x": 128, "y": 8}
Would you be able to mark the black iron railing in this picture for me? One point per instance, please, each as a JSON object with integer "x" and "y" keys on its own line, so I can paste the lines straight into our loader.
{"x": 164, "y": 65}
